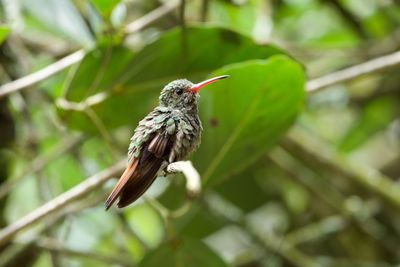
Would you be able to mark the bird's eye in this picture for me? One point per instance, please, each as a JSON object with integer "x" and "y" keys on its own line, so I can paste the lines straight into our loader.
{"x": 179, "y": 91}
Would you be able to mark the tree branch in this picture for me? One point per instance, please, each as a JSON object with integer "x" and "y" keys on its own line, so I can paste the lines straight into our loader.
{"x": 269, "y": 241}
{"x": 368, "y": 67}
{"x": 77, "y": 56}
{"x": 317, "y": 230}
{"x": 348, "y": 17}
{"x": 53, "y": 245}
{"x": 372, "y": 66}
{"x": 193, "y": 186}
{"x": 63, "y": 200}
{"x": 327, "y": 157}
{"x": 42, "y": 74}
{"x": 41, "y": 162}
{"x": 204, "y": 10}
{"x": 151, "y": 17}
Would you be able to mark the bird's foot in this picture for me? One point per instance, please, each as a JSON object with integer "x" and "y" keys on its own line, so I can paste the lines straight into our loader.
{"x": 163, "y": 172}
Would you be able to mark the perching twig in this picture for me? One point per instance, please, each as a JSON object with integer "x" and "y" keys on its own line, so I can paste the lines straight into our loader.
{"x": 77, "y": 56}
{"x": 368, "y": 67}
{"x": 193, "y": 183}
{"x": 87, "y": 186}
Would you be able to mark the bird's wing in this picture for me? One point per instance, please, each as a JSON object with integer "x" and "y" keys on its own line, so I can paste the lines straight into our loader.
{"x": 158, "y": 145}
{"x": 141, "y": 172}
{"x": 154, "y": 153}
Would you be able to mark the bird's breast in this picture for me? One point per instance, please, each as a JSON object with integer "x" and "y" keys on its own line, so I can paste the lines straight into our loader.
{"x": 187, "y": 135}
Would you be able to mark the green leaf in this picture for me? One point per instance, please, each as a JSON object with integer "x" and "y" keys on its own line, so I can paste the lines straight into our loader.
{"x": 4, "y": 31}
{"x": 133, "y": 87}
{"x": 245, "y": 115}
{"x": 105, "y": 7}
{"x": 183, "y": 253}
{"x": 98, "y": 71}
{"x": 70, "y": 175}
{"x": 193, "y": 54}
{"x": 241, "y": 18}
{"x": 147, "y": 222}
{"x": 199, "y": 223}
{"x": 295, "y": 196}
{"x": 247, "y": 185}
{"x": 61, "y": 17}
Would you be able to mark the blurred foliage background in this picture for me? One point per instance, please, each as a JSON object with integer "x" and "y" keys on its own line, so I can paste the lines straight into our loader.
{"x": 290, "y": 177}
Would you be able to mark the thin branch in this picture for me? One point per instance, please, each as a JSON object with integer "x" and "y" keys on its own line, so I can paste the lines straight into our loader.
{"x": 63, "y": 200}
{"x": 151, "y": 17}
{"x": 269, "y": 241}
{"x": 285, "y": 249}
{"x": 182, "y": 11}
{"x": 204, "y": 10}
{"x": 315, "y": 182}
{"x": 45, "y": 195}
{"x": 372, "y": 66}
{"x": 40, "y": 162}
{"x": 42, "y": 74}
{"x": 90, "y": 184}
{"x": 317, "y": 230}
{"x": 32, "y": 237}
{"x": 324, "y": 155}
{"x": 77, "y": 56}
{"x": 126, "y": 227}
{"x": 102, "y": 129}
{"x": 368, "y": 67}
{"x": 182, "y": 22}
{"x": 53, "y": 245}
{"x": 349, "y": 17}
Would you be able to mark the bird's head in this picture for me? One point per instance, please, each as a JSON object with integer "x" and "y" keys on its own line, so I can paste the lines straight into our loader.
{"x": 183, "y": 93}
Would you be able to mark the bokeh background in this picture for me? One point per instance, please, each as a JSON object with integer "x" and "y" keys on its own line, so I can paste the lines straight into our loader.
{"x": 295, "y": 171}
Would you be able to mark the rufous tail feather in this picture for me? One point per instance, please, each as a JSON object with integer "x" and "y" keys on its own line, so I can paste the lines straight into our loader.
{"x": 121, "y": 183}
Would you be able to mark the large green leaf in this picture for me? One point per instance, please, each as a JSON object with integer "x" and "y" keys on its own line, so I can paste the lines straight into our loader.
{"x": 245, "y": 115}
{"x": 241, "y": 18}
{"x": 61, "y": 17}
{"x": 133, "y": 90}
{"x": 182, "y": 253}
{"x": 98, "y": 71}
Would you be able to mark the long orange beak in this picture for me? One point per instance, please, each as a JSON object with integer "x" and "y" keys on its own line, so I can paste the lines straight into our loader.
{"x": 196, "y": 87}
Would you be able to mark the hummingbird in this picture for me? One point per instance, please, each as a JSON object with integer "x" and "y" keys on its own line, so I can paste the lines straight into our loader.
{"x": 169, "y": 133}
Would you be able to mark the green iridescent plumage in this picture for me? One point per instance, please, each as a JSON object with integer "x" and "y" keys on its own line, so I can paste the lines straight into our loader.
{"x": 176, "y": 118}
{"x": 171, "y": 132}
